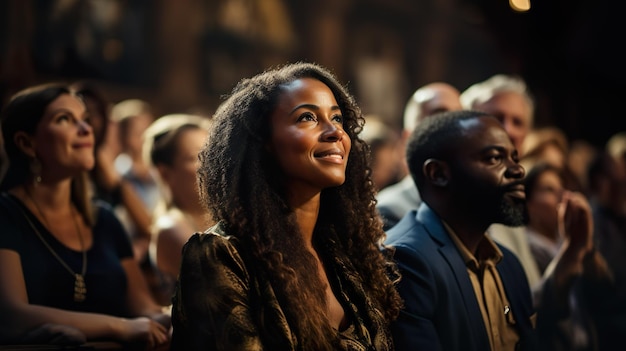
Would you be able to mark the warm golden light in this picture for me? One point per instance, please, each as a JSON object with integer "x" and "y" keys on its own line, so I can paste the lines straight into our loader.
{"x": 520, "y": 5}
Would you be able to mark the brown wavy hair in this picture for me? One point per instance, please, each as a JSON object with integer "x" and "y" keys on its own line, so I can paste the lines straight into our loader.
{"x": 241, "y": 184}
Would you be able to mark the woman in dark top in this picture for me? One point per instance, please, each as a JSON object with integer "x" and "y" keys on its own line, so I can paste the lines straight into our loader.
{"x": 66, "y": 264}
{"x": 294, "y": 261}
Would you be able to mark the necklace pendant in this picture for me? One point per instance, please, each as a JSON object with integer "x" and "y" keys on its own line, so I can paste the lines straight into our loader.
{"x": 80, "y": 289}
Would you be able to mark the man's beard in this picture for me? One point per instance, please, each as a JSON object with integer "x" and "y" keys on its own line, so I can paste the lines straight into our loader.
{"x": 498, "y": 207}
{"x": 512, "y": 213}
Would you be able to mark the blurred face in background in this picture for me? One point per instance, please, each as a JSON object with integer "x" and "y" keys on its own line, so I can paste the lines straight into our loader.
{"x": 513, "y": 111}
{"x": 180, "y": 176}
{"x": 439, "y": 98}
{"x": 132, "y": 137}
{"x": 543, "y": 200}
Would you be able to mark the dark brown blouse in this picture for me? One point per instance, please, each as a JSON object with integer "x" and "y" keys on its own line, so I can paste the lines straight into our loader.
{"x": 222, "y": 302}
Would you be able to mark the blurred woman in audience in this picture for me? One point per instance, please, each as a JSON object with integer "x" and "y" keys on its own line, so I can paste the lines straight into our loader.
{"x": 171, "y": 145}
{"x": 132, "y": 117}
{"x": 581, "y": 153}
{"x": 544, "y": 191}
{"x": 107, "y": 182}
{"x": 554, "y": 224}
{"x": 66, "y": 263}
{"x": 549, "y": 145}
{"x": 385, "y": 150}
{"x": 294, "y": 261}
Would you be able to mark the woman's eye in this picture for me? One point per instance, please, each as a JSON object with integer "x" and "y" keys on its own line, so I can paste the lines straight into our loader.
{"x": 338, "y": 118}
{"x": 307, "y": 117}
{"x": 63, "y": 118}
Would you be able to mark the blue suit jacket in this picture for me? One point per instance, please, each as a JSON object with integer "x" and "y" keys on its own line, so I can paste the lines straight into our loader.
{"x": 441, "y": 310}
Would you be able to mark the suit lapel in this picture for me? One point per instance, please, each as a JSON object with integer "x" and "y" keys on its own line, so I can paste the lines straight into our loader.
{"x": 451, "y": 255}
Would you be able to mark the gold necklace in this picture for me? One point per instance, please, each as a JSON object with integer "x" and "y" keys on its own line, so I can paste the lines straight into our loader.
{"x": 80, "y": 289}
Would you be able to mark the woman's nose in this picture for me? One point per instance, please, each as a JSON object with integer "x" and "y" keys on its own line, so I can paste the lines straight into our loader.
{"x": 333, "y": 133}
{"x": 84, "y": 127}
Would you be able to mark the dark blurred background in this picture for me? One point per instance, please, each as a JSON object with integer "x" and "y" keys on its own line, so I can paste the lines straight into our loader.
{"x": 183, "y": 55}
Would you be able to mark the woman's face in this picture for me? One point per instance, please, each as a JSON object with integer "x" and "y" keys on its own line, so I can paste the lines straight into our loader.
{"x": 545, "y": 197}
{"x": 181, "y": 175}
{"x": 133, "y": 140}
{"x": 308, "y": 139}
{"x": 64, "y": 140}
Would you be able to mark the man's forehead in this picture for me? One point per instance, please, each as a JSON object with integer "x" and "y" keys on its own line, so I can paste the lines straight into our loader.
{"x": 510, "y": 103}
{"x": 485, "y": 129}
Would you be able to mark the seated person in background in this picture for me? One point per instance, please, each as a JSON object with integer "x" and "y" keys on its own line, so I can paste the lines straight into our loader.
{"x": 581, "y": 153}
{"x": 546, "y": 145}
{"x": 294, "y": 261}
{"x": 132, "y": 117}
{"x": 397, "y": 199}
{"x": 549, "y": 145}
{"x": 107, "y": 182}
{"x": 462, "y": 291}
{"x": 607, "y": 194}
{"x": 66, "y": 263}
{"x": 171, "y": 145}
{"x": 558, "y": 219}
{"x": 544, "y": 192}
{"x": 616, "y": 147}
{"x": 386, "y": 151}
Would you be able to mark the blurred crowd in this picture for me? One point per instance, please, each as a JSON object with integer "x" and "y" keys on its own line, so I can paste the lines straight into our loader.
{"x": 114, "y": 203}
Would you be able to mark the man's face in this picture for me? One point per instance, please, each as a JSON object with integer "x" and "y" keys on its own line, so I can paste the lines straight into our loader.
{"x": 442, "y": 99}
{"x": 513, "y": 111}
{"x": 486, "y": 174}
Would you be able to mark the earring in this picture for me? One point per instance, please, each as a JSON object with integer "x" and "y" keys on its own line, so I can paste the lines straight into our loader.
{"x": 35, "y": 169}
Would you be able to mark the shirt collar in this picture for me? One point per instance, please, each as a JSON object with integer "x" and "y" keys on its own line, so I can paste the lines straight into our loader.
{"x": 487, "y": 250}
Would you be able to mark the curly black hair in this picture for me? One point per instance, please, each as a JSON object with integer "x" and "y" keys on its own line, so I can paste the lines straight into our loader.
{"x": 240, "y": 183}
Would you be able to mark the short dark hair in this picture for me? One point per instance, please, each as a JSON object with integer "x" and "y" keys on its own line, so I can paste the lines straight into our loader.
{"x": 435, "y": 137}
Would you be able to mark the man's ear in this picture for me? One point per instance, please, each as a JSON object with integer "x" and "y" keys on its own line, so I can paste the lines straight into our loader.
{"x": 25, "y": 143}
{"x": 436, "y": 172}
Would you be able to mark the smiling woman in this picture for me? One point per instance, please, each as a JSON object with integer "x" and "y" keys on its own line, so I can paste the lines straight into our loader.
{"x": 67, "y": 274}
{"x": 294, "y": 260}
{"x": 308, "y": 139}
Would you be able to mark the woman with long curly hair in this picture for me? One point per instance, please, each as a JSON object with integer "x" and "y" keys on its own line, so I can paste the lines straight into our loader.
{"x": 294, "y": 262}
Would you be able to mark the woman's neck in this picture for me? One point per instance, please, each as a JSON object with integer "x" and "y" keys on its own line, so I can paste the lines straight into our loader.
{"x": 306, "y": 217}
{"x": 197, "y": 218}
{"x": 188, "y": 204}
{"x": 51, "y": 196}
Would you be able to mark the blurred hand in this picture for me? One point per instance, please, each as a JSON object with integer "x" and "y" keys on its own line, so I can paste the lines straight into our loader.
{"x": 576, "y": 223}
{"x": 145, "y": 331}
{"x": 163, "y": 318}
